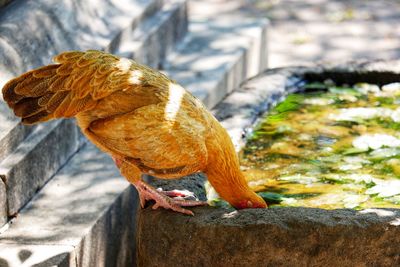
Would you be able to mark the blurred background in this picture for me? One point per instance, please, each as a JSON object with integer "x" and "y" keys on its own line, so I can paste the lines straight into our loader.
{"x": 305, "y": 32}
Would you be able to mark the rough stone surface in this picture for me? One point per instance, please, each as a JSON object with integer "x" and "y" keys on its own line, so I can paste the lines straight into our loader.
{"x": 35, "y": 160}
{"x": 86, "y": 213}
{"x": 11, "y": 131}
{"x": 276, "y": 236}
{"x": 270, "y": 237}
{"x": 156, "y": 36}
{"x": 3, "y": 204}
{"x": 218, "y": 54}
{"x": 32, "y": 32}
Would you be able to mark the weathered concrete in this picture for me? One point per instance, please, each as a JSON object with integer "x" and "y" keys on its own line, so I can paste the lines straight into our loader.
{"x": 11, "y": 131}
{"x": 218, "y": 54}
{"x": 270, "y": 237}
{"x": 32, "y": 32}
{"x": 3, "y": 204}
{"x": 156, "y": 36}
{"x": 276, "y": 236}
{"x": 36, "y": 159}
{"x": 86, "y": 213}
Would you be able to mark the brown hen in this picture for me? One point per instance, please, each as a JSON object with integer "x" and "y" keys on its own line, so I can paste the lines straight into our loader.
{"x": 145, "y": 121}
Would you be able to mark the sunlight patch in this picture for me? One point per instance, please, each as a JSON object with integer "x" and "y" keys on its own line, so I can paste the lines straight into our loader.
{"x": 124, "y": 65}
{"x": 379, "y": 212}
{"x": 135, "y": 77}
{"x": 175, "y": 96}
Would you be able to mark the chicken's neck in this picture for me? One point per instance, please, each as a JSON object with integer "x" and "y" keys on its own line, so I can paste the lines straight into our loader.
{"x": 223, "y": 169}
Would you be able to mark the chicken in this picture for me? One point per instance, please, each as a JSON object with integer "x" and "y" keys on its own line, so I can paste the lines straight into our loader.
{"x": 145, "y": 121}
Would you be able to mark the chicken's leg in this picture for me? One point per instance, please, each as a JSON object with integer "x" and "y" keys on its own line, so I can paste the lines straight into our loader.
{"x": 147, "y": 192}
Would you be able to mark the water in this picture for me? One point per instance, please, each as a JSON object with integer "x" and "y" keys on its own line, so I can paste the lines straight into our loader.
{"x": 332, "y": 148}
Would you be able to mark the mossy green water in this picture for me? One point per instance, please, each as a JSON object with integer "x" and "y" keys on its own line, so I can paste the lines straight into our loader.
{"x": 329, "y": 147}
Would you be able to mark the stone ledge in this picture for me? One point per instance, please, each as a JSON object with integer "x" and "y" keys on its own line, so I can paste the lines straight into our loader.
{"x": 35, "y": 161}
{"x": 270, "y": 237}
{"x": 85, "y": 216}
{"x": 156, "y": 36}
{"x": 217, "y": 55}
{"x": 11, "y": 131}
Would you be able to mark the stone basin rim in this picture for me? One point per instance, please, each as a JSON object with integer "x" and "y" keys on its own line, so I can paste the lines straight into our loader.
{"x": 256, "y": 99}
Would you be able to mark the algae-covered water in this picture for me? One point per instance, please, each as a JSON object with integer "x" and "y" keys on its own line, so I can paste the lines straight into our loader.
{"x": 329, "y": 147}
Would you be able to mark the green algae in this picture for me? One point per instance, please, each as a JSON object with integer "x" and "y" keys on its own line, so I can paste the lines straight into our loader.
{"x": 328, "y": 147}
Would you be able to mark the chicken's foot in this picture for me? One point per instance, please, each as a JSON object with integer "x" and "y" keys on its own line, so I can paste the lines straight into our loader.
{"x": 147, "y": 192}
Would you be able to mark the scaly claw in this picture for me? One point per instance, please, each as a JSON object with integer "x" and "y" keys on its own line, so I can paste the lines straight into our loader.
{"x": 146, "y": 192}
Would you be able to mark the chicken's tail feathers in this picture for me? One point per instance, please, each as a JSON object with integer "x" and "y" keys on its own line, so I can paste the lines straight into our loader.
{"x": 29, "y": 93}
{"x": 65, "y": 89}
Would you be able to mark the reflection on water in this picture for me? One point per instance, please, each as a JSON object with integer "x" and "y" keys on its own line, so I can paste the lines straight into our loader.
{"x": 331, "y": 147}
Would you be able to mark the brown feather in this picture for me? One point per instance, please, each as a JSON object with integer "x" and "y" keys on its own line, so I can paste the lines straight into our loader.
{"x": 26, "y": 86}
{"x": 40, "y": 89}
{"x": 61, "y": 109}
{"x": 58, "y": 84}
{"x": 38, "y": 117}
{"x": 68, "y": 56}
{"x": 27, "y": 107}
{"x": 56, "y": 100}
{"x": 46, "y": 71}
{"x": 44, "y": 100}
{"x": 65, "y": 69}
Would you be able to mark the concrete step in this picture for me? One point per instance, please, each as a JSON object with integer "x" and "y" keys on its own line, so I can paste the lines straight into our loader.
{"x": 35, "y": 161}
{"x": 84, "y": 216}
{"x": 45, "y": 29}
{"x": 217, "y": 55}
{"x": 156, "y": 36}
